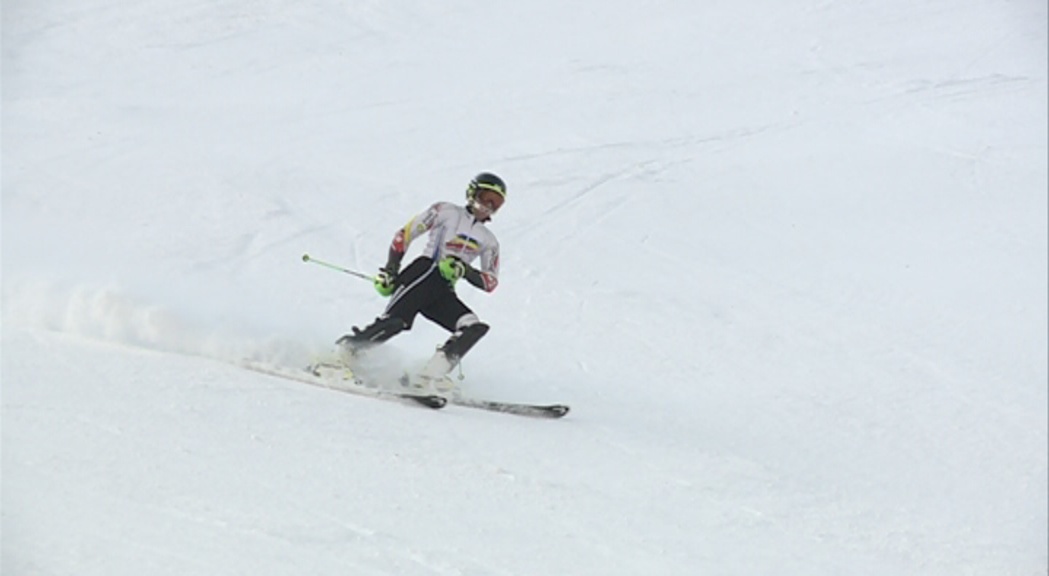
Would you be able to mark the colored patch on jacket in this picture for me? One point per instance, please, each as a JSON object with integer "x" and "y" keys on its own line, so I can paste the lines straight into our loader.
{"x": 462, "y": 243}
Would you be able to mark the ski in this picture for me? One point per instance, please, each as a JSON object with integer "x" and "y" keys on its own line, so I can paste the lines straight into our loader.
{"x": 519, "y": 409}
{"x": 358, "y": 387}
{"x": 534, "y": 410}
{"x": 429, "y": 400}
{"x": 349, "y": 386}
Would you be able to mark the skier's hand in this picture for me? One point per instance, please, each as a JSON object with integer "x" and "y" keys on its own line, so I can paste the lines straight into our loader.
{"x": 384, "y": 282}
{"x": 451, "y": 269}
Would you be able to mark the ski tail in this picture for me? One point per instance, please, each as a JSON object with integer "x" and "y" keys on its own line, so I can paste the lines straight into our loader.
{"x": 348, "y": 384}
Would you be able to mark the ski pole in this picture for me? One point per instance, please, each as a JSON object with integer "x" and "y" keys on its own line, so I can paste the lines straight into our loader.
{"x": 307, "y": 258}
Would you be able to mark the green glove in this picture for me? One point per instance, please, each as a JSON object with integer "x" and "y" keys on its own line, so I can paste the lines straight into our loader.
{"x": 384, "y": 282}
{"x": 452, "y": 269}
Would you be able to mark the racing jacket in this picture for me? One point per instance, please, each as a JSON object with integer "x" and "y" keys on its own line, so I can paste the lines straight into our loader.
{"x": 453, "y": 231}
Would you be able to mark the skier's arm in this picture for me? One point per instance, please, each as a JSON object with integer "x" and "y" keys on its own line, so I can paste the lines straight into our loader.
{"x": 487, "y": 278}
{"x": 403, "y": 238}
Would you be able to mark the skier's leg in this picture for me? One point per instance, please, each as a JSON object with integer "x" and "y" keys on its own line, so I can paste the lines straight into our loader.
{"x": 469, "y": 330}
{"x": 466, "y": 329}
{"x": 384, "y": 328}
{"x": 414, "y": 291}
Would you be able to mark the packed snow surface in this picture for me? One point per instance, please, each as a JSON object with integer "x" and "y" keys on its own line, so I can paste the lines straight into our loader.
{"x": 785, "y": 260}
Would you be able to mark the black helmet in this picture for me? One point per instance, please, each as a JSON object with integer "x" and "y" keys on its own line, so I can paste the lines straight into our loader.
{"x": 485, "y": 181}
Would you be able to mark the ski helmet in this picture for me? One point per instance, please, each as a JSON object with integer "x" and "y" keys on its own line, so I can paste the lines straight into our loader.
{"x": 485, "y": 181}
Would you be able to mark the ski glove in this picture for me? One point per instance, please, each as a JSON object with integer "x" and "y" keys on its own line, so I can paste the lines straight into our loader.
{"x": 452, "y": 269}
{"x": 384, "y": 282}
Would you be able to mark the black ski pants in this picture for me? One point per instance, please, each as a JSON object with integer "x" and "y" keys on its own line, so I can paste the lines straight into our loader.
{"x": 422, "y": 290}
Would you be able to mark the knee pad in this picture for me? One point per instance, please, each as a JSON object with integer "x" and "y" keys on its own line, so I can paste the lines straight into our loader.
{"x": 465, "y": 320}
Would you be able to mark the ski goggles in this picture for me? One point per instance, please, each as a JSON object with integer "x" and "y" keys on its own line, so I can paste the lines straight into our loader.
{"x": 489, "y": 198}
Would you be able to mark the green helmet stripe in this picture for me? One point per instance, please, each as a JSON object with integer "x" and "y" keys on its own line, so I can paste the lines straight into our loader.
{"x": 493, "y": 187}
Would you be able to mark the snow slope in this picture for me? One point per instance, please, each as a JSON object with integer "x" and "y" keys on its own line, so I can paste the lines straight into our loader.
{"x": 786, "y": 261}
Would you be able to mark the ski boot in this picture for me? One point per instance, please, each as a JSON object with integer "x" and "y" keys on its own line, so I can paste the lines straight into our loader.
{"x": 434, "y": 376}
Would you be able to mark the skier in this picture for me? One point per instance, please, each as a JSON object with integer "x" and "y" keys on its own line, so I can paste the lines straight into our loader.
{"x": 457, "y": 236}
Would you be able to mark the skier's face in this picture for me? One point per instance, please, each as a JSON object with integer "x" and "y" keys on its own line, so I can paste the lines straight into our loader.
{"x": 487, "y": 203}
